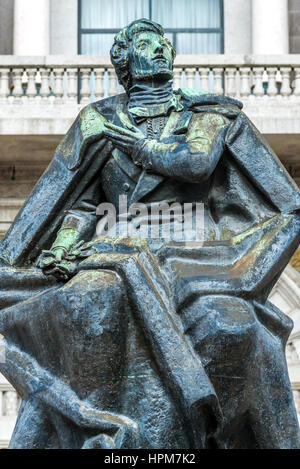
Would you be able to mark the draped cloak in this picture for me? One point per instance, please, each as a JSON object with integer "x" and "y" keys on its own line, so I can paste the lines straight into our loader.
{"x": 255, "y": 204}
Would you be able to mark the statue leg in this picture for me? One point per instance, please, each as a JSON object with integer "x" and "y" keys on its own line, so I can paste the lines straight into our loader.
{"x": 247, "y": 367}
{"x": 92, "y": 330}
{"x": 77, "y": 334}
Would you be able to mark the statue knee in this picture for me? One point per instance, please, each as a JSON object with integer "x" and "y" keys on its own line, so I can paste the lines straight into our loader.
{"x": 96, "y": 301}
{"x": 221, "y": 328}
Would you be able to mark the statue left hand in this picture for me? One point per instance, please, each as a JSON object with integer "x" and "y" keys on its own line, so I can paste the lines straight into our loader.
{"x": 121, "y": 138}
{"x": 65, "y": 267}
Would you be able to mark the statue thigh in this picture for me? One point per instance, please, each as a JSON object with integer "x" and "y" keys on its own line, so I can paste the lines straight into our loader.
{"x": 85, "y": 329}
{"x": 93, "y": 320}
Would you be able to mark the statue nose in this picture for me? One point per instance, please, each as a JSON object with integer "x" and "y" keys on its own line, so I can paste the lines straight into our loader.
{"x": 158, "y": 49}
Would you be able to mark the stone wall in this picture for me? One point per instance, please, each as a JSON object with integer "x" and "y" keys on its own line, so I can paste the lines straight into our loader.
{"x": 63, "y": 27}
{"x": 6, "y": 27}
{"x": 294, "y": 26}
{"x": 237, "y": 27}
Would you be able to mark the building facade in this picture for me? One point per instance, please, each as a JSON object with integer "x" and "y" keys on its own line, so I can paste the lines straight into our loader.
{"x": 54, "y": 60}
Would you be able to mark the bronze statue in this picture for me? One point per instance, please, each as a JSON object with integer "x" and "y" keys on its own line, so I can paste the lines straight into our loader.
{"x": 117, "y": 341}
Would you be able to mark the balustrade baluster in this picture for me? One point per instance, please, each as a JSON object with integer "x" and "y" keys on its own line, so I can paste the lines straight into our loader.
{"x": 190, "y": 77}
{"x": 245, "y": 89}
{"x": 272, "y": 88}
{"x": 17, "y": 85}
{"x": 10, "y": 403}
{"x": 258, "y": 82}
{"x": 4, "y": 85}
{"x": 177, "y": 77}
{"x": 286, "y": 89}
{"x": 218, "y": 80}
{"x": 31, "y": 86}
{"x": 58, "y": 85}
{"x": 297, "y": 81}
{"x": 99, "y": 89}
{"x": 72, "y": 85}
{"x": 45, "y": 85}
{"x": 230, "y": 75}
{"x": 204, "y": 79}
{"x": 236, "y": 81}
{"x": 112, "y": 83}
{"x": 85, "y": 91}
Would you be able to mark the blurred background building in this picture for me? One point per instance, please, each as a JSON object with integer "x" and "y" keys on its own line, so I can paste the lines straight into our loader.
{"x": 54, "y": 59}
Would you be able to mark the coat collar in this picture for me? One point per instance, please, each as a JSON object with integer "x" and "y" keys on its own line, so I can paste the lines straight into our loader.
{"x": 155, "y": 110}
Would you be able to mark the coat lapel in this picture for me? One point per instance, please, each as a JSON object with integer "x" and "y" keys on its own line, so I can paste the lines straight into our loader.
{"x": 124, "y": 161}
{"x": 149, "y": 181}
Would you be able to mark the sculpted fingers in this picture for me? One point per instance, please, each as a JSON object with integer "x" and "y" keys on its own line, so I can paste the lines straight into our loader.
{"x": 135, "y": 132}
{"x": 119, "y": 137}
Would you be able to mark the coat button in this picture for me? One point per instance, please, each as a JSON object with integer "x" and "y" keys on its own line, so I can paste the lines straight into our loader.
{"x": 126, "y": 187}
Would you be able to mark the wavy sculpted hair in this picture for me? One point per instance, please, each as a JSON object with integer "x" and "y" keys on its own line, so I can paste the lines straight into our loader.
{"x": 119, "y": 51}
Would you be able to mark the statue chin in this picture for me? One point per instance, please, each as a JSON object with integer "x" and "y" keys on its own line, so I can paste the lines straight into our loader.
{"x": 162, "y": 73}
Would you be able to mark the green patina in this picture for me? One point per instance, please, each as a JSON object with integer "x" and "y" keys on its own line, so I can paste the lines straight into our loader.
{"x": 91, "y": 123}
{"x": 66, "y": 238}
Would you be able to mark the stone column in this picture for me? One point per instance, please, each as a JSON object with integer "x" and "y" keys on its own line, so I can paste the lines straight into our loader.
{"x": 270, "y": 34}
{"x": 32, "y": 27}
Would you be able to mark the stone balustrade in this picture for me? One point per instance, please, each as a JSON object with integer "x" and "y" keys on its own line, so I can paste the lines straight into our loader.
{"x": 9, "y": 406}
{"x": 42, "y": 95}
{"x": 54, "y": 79}
{"x": 9, "y": 401}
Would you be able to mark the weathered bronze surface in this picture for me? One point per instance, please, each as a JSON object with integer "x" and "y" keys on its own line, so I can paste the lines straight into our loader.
{"x": 116, "y": 342}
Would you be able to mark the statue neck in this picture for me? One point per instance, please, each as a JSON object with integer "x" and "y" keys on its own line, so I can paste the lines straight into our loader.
{"x": 145, "y": 94}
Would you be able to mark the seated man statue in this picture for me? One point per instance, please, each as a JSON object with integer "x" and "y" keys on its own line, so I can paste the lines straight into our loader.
{"x": 115, "y": 340}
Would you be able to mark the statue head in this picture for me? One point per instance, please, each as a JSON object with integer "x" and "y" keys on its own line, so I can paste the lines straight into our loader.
{"x": 141, "y": 52}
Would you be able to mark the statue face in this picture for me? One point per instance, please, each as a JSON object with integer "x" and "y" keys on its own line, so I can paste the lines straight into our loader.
{"x": 150, "y": 56}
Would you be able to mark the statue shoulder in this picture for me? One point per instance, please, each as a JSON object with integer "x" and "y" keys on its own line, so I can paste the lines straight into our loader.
{"x": 90, "y": 123}
{"x": 105, "y": 107}
{"x": 86, "y": 129}
{"x": 193, "y": 99}
{"x": 108, "y": 106}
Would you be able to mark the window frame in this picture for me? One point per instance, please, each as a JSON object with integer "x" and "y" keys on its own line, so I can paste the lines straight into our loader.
{"x": 172, "y": 31}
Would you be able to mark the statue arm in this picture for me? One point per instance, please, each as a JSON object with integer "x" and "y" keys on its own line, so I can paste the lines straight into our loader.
{"x": 79, "y": 225}
{"x": 79, "y": 222}
{"x": 193, "y": 160}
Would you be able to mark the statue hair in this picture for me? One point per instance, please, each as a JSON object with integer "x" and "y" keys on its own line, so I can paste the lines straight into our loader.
{"x": 119, "y": 51}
